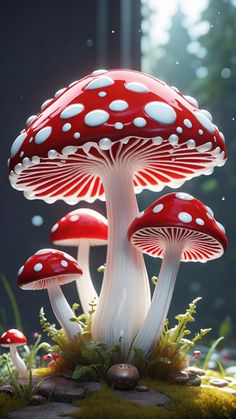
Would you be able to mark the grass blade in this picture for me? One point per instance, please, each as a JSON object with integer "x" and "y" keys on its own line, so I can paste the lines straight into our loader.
{"x": 12, "y": 299}
{"x": 210, "y": 352}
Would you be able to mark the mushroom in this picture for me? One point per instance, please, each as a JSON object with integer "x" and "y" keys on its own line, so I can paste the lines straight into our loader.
{"x": 83, "y": 227}
{"x": 11, "y": 339}
{"x": 122, "y": 376}
{"x": 107, "y": 136}
{"x": 50, "y": 268}
{"x": 177, "y": 227}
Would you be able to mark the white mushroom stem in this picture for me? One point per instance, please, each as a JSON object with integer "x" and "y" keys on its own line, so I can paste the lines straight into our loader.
{"x": 125, "y": 295}
{"x": 17, "y": 361}
{"x": 85, "y": 288}
{"x": 150, "y": 332}
{"x": 63, "y": 312}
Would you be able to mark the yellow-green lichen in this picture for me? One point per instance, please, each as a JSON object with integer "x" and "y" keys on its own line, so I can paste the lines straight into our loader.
{"x": 9, "y": 404}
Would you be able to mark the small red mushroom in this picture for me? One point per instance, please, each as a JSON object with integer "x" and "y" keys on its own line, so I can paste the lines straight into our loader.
{"x": 83, "y": 227}
{"x": 177, "y": 227}
{"x": 50, "y": 268}
{"x": 11, "y": 339}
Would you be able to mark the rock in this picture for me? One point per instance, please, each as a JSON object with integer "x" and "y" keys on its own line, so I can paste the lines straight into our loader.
{"x": 146, "y": 398}
{"x": 231, "y": 370}
{"x": 122, "y": 376}
{"x": 141, "y": 388}
{"x": 66, "y": 390}
{"x": 46, "y": 411}
{"x": 218, "y": 382}
{"x": 36, "y": 399}
{"x": 194, "y": 381}
{"x": 228, "y": 390}
{"x": 181, "y": 378}
{"x": 195, "y": 371}
{"x": 8, "y": 389}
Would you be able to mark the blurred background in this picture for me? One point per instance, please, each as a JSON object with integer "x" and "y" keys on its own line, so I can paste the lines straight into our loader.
{"x": 45, "y": 46}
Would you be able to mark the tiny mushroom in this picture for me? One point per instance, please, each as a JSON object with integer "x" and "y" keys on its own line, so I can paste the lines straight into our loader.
{"x": 83, "y": 227}
{"x": 177, "y": 227}
{"x": 50, "y": 268}
{"x": 11, "y": 339}
{"x": 108, "y": 136}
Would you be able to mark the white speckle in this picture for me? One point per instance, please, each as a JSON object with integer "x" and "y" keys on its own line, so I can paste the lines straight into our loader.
{"x": 18, "y": 168}
{"x": 188, "y": 123}
{"x": 204, "y": 121}
{"x": 64, "y": 263}
{"x": 209, "y": 210}
{"x": 200, "y": 132}
{"x": 52, "y": 154}
{"x": 223, "y": 198}
{"x": 102, "y": 94}
{"x": 184, "y": 196}
{"x": 38, "y": 267}
{"x": 118, "y": 105}
{"x": 54, "y": 228}
{"x": 140, "y": 214}
{"x": 158, "y": 208}
{"x": 96, "y": 118}
{"x": 100, "y": 82}
{"x": 139, "y": 122}
{"x": 44, "y": 104}
{"x": 157, "y": 140}
{"x": 207, "y": 114}
{"x": 192, "y": 100}
{"x": 20, "y": 270}
{"x": 72, "y": 110}
{"x": 205, "y": 147}
{"x": 173, "y": 139}
{"x": 221, "y": 227}
{"x": 175, "y": 88}
{"x": 66, "y": 127}
{"x": 191, "y": 144}
{"x": 43, "y": 135}
{"x": 161, "y": 112}
{"x": 26, "y": 162}
{"x": 105, "y": 143}
{"x": 185, "y": 217}
{"x": 17, "y": 144}
{"x": 60, "y": 91}
{"x": 200, "y": 221}
{"x": 37, "y": 220}
{"x": 222, "y": 136}
{"x": 74, "y": 218}
{"x": 179, "y": 130}
{"x": 30, "y": 120}
{"x": 216, "y": 151}
{"x": 8, "y": 340}
{"x": 31, "y": 139}
{"x": 73, "y": 83}
{"x": 70, "y": 149}
{"x": 97, "y": 72}
{"x": 76, "y": 135}
{"x": 118, "y": 125}
{"x": 35, "y": 159}
{"x": 22, "y": 154}
{"x": 136, "y": 87}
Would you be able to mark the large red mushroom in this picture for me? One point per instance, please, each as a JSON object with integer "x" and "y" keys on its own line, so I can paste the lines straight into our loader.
{"x": 107, "y": 136}
{"x": 177, "y": 227}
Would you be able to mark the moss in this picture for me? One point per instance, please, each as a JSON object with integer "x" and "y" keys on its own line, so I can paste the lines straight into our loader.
{"x": 9, "y": 404}
{"x": 187, "y": 402}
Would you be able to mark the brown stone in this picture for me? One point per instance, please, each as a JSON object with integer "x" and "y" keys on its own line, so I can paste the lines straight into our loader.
{"x": 218, "y": 382}
{"x": 195, "y": 371}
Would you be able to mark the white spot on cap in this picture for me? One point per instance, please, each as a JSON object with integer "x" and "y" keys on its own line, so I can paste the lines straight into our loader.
{"x": 73, "y": 83}
{"x": 207, "y": 114}
{"x": 76, "y": 135}
{"x": 17, "y": 144}
{"x": 205, "y": 147}
{"x": 185, "y": 217}
{"x": 188, "y": 123}
{"x": 200, "y": 221}
{"x": 37, "y": 220}
{"x": 161, "y": 112}
{"x": 43, "y": 135}
{"x": 38, "y": 267}
{"x": 191, "y": 144}
{"x": 8, "y": 340}
{"x": 102, "y": 94}
{"x": 173, "y": 139}
{"x": 118, "y": 105}
{"x": 52, "y": 154}
{"x": 179, "y": 130}
{"x": 184, "y": 196}
{"x": 26, "y": 162}
{"x": 20, "y": 270}
{"x": 139, "y": 122}
{"x": 70, "y": 149}
{"x": 54, "y": 228}
{"x": 97, "y": 72}
{"x": 60, "y": 91}
{"x": 214, "y": 152}
{"x": 118, "y": 125}
{"x": 66, "y": 127}
{"x": 35, "y": 159}
{"x": 44, "y": 104}
{"x": 192, "y": 100}
{"x": 157, "y": 140}
{"x": 96, "y": 118}
{"x": 22, "y": 154}
{"x": 140, "y": 214}
{"x": 30, "y": 120}
{"x": 105, "y": 143}
{"x": 200, "y": 131}
{"x": 175, "y": 88}
{"x": 72, "y": 110}
{"x": 158, "y": 208}
{"x": 100, "y": 82}
{"x": 222, "y": 136}
{"x": 18, "y": 168}
{"x": 204, "y": 121}
{"x": 136, "y": 87}
{"x": 209, "y": 210}
{"x": 221, "y": 227}
{"x": 64, "y": 263}
{"x": 74, "y": 218}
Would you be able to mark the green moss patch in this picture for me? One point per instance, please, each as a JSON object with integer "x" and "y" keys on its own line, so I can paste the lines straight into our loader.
{"x": 9, "y": 404}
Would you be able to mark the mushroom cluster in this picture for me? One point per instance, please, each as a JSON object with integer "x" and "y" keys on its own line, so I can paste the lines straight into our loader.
{"x": 108, "y": 136}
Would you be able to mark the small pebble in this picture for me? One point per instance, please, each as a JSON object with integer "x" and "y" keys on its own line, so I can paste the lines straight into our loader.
{"x": 194, "y": 381}
{"x": 181, "y": 378}
{"x": 8, "y": 389}
{"x": 218, "y": 382}
{"x": 37, "y": 399}
{"x": 141, "y": 388}
{"x": 195, "y": 371}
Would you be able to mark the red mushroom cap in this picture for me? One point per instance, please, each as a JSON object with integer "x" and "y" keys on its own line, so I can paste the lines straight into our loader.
{"x": 48, "y": 266}
{"x": 107, "y": 117}
{"x": 179, "y": 217}
{"x": 13, "y": 337}
{"x": 83, "y": 223}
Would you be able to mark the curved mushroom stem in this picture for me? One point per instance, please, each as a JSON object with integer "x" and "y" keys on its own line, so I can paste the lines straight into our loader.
{"x": 150, "y": 332}
{"x": 17, "y": 361}
{"x": 125, "y": 295}
{"x": 63, "y": 312}
{"x": 84, "y": 284}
